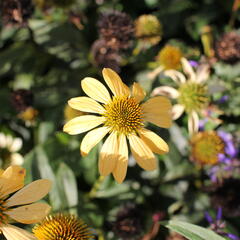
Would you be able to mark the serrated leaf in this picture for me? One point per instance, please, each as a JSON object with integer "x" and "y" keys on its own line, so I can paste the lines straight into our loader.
{"x": 191, "y": 231}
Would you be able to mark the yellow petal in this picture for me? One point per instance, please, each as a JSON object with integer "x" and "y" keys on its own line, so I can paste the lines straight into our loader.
{"x": 11, "y": 180}
{"x": 157, "y": 110}
{"x": 154, "y": 142}
{"x": 30, "y": 193}
{"x": 137, "y": 92}
{"x": 142, "y": 153}
{"x": 115, "y": 83}
{"x": 29, "y": 214}
{"x": 86, "y": 104}
{"x": 108, "y": 155}
{"x": 15, "y": 233}
{"x": 120, "y": 170}
{"x": 95, "y": 90}
{"x": 92, "y": 138}
{"x": 82, "y": 124}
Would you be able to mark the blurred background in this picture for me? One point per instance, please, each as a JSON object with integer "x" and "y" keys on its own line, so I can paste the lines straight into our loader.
{"x": 48, "y": 46}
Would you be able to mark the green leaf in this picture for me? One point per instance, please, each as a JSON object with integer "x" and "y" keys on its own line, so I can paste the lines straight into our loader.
{"x": 191, "y": 231}
{"x": 67, "y": 185}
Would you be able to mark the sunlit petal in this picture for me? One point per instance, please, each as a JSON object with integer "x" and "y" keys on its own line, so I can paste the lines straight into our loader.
{"x": 187, "y": 68}
{"x": 142, "y": 153}
{"x": 86, "y": 104}
{"x": 153, "y": 141}
{"x": 95, "y": 90}
{"x": 30, "y": 193}
{"x": 138, "y": 92}
{"x": 120, "y": 170}
{"x": 108, "y": 155}
{"x": 193, "y": 123}
{"x": 177, "y": 111}
{"x": 82, "y": 124}
{"x": 14, "y": 233}
{"x": 115, "y": 83}
{"x": 176, "y": 76}
{"x": 157, "y": 110}
{"x": 92, "y": 138}
{"x": 29, "y": 214}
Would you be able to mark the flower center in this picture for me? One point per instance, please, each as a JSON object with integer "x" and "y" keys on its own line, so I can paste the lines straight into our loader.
{"x": 3, "y": 216}
{"x": 62, "y": 227}
{"x": 193, "y": 96}
{"x": 206, "y": 146}
{"x": 123, "y": 115}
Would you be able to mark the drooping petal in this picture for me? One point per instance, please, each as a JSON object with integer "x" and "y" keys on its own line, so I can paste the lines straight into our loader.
{"x": 166, "y": 91}
{"x": 108, "y": 155}
{"x": 120, "y": 170}
{"x": 86, "y": 104}
{"x": 177, "y": 111}
{"x": 193, "y": 122}
{"x": 115, "y": 83}
{"x": 176, "y": 76}
{"x": 153, "y": 141}
{"x": 202, "y": 73}
{"x": 92, "y": 138}
{"x": 29, "y": 214}
{"x": 11, "y": 180}
{"x": 15, "y": 233}
{"x": 82, "y": 124}
{"x": 157, "y": 110}
{"x": 142, "y": 153}
{"x": 187, "y": 68}
{"x": 138, "y": 92}
{"x": 95, "y": 90}
{"x": 16, "y": 145}
{"x": 30, "y": 193}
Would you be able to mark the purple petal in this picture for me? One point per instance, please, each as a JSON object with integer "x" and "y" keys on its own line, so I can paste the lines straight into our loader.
{"x": 208, "y": 217}
{"x": 232, "y": 236}
{"x": 219, "y": 214}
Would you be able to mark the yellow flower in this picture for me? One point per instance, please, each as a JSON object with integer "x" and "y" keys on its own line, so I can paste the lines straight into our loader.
{"x": 122, "y": 116}
{"x": 62, "y": 226}
{"x": 170, "y": 57}
{"x": 206, "y": 147}
{"x": 192, "y": 95}
{"x": 20, "y": 206}
{"x": 148, "y": 29}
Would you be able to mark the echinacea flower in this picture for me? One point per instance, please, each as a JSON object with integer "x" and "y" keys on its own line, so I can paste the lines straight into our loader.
{"x": 9, "y": 148}
{"x": 191, "y": 94}
{"x": 122, "y": 116}
{"x": 62, "y": 226}
{"x": 206, "y": 147}
{"x": 20, "y": 206}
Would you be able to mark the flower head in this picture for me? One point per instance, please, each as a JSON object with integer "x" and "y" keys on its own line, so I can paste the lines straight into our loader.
{"x": 191, "y": 95}
{"x": 122, "y": 116}
{"x": 206, "y": 147}
{"x": 62, "y": 226}
{"x": 170, "y": 57}
{"x": 117, "y": 29}
{"x": 20, "y": 206}
{"x": 9, "y": 148}
{"x": 148, "y": 29}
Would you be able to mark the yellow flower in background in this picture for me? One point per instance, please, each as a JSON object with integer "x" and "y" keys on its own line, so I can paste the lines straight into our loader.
{"x": 62, "y": 226}
{"x": 170, "y": 57}
{"x": 206, "y": 147}
{"x": 122, "y": 116}
{"x": 191, "y": 94}
{"x": 148, "y": 29}
{"x": 20, "y": 206}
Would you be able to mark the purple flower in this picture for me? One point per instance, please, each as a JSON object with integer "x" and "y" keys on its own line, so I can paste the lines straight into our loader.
{"x": 223, "y": 99}
{"x": 193, "y": 63}
{"x": 218, "y": 225}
